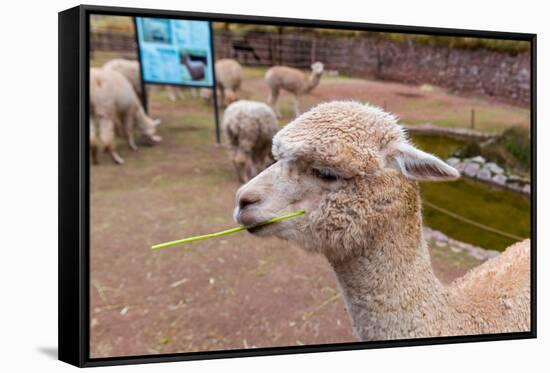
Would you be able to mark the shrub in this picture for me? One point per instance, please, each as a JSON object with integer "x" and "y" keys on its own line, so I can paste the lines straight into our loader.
{"x": 511, "y": 149}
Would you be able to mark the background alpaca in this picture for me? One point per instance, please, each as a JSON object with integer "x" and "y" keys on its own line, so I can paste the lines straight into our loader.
{"x": 249, "y": 127}
{"x": 293, "y": 81}
{"x": 229, "y": 76}
{"x": 102, "y": 138}
{"x": 352, "y": 169}
{"x": 130, "y": 69}
{"x": 112, "y": 97}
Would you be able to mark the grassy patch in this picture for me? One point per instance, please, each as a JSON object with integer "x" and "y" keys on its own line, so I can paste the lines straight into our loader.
{"x": 437, "y": 145}
{"x": 500, "y": 209}
{"x": 488, "y": 118}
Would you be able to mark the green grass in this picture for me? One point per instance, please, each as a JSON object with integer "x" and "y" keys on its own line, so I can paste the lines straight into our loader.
{"x": 437, "y": 145}
{"x": 488, "y": 118}
{"x": 100, "y": 57}
{"x": 254, "y": 72}
{"x": 496, "y": 208}
{"x": 500, "y": 209}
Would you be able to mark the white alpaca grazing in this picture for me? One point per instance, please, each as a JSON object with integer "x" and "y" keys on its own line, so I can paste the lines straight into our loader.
{"x": 129, "y": 68}
{"x": 113, "y": 98}
{"x": 249, "y": 128}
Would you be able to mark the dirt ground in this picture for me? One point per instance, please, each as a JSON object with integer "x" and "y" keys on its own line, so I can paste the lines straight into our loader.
{"x": 234, "y": 292}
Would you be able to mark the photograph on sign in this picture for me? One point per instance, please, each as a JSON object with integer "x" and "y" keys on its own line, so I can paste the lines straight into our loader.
{"x": 174, "y": 51}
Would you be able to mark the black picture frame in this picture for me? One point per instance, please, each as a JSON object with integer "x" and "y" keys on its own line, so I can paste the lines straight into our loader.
{"x": 74, "y": 174}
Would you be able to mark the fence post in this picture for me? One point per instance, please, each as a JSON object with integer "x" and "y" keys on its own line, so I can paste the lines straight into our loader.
{"x": 472, "y": 118}
{"x": 279, "y": 46}
{"x": 314, "y": 49}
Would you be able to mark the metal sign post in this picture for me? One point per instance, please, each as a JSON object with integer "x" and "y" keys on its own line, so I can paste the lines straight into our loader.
{"x": 215, "y": 87}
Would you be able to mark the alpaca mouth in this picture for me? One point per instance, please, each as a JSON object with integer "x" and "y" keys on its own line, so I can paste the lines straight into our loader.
{"x": 255, "y": 229}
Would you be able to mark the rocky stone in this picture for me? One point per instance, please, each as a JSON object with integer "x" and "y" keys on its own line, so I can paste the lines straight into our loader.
{"x": 460, "y": 166}
{"x": 455, "y": 249}
{"x": 499, "y": 179}
{"x": 479, "y": 159}
{"x": 527, "y": 188}
{"x": 471, "y": 169}
{"x": 483, "y": 174}
{"x": 439, "y": 236}
{"x": 453, "y": 161}
{"x": 515, "y": 186}
{"x": 519, "y": 179}
{"x": 494, "y": 168}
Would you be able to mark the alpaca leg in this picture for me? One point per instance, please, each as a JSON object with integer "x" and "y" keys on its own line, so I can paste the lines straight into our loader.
{"x": 241, "y": 172}
{"x": 129, "y": 129}
{"x": 171, "y": 95}
{"x": 114, "y": 155}
{"x": 221, "y": 96}
{"x": 296, "y": 105}
{"x": 230, "y": 96}
{"x": 272, "y": 101}
{"x": 108, "y": 140}
{"x": 240, "y": 163}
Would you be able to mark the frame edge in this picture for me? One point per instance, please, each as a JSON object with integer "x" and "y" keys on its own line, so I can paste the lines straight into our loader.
{"x": 70, "y": 260}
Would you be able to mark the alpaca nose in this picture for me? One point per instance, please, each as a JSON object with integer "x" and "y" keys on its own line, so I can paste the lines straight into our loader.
{"x": 247, "y": 199}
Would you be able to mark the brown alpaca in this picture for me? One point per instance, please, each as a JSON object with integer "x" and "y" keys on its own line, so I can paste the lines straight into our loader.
{"x": 229, "y": 76}
{"x": 293, "y": 81}
{"x": 195, "y": 68}
{"x": 352, "y": 169}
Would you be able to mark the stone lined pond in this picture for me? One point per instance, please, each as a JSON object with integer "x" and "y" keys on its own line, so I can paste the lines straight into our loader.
{"x": 500, "y": 209}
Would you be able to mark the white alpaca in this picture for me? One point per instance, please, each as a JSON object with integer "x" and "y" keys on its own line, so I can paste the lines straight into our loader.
{"x": 102, "y": 138}
{"x": 293, "y": 81}
{"x": 352, "y": 169}
{"x": 129, "y": 68}
{"x": 113, "y": 98}
{"x": 249, "y": 127}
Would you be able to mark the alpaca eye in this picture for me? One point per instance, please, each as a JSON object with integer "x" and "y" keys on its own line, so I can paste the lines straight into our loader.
{"x": 325, "y": 174}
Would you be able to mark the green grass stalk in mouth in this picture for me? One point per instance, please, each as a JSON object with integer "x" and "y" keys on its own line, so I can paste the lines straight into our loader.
{"x": 223, "y": 233}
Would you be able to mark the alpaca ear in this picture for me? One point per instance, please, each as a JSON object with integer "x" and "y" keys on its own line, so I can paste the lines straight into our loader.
{"x": 418, "y": 165}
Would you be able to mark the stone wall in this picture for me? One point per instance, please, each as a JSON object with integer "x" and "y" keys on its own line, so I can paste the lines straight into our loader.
{"x": 478, "y": 71}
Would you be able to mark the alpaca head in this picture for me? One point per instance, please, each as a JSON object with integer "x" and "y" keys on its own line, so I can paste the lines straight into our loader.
{"x": 230, "y": 96}
{"x": 149, "y": 129}
{"x": 352, "y": 169}
{"x": 317, "y": 68}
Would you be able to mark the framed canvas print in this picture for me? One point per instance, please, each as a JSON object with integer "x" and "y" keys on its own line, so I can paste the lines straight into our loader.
{"x": 235, "y": 186}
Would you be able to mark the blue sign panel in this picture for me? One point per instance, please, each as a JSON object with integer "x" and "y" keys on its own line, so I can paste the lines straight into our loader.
{"x": 175, "y": 51}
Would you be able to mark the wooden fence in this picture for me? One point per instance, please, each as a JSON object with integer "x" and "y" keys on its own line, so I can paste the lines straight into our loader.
{"x": 480, "y": 71}
{"x": 254, "y": 49}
